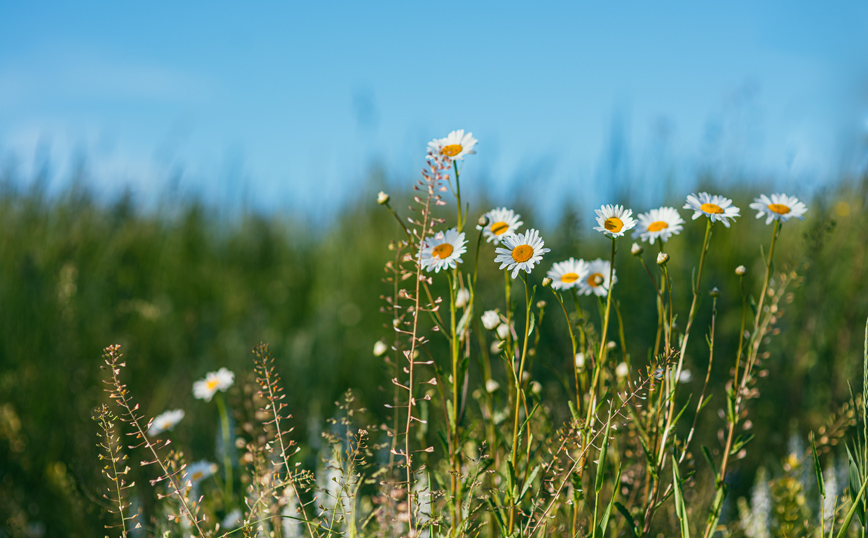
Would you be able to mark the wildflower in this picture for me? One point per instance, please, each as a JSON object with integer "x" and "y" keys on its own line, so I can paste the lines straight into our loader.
{"x": 482, "y": 222}
{"x": 443, "y": 250}
{"x": 196, "y": 472}
{"x": 380, "y": 348}
{"x": 490, "y": 320}
{"x": 622, "y": 370}
{"x": 522, "y": 252}
{"x": 662, "y": 258}
{"x": 741, "y": 270}
{"x": 660, "y": 223}
{"x": 501, "y": 223}
{"x": 503, "y": 331}
{"x": 685, "y": 376}
{"x": 382, "y": 198}
{"x": 491, "y": 385}
{"x": 535, "y": 387}
{"x": 547, "y": 282}
{"x": 204, "y": 389}
{"x": 454, "y": 147}
{"x": 525, "y": 377}
{"x": 462, "y": 297}
{"x": 614, "y": 220}
{"x": 779, "y": 207}
{"x": 636, "y": 249}
{"x": 715, "y": 207}
{"x": 580, "y": 360}
{"x": 567, "y": 274}
{"x": 597, "y": 281}
{"x": 165, "y": 421}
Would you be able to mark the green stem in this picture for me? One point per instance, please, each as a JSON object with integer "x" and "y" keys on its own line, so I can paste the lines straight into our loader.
{"x": 227, "y": 461}
{"x": 515, "y": 440}
{"x": 603, "y": 347}
{"x": 573, "y": 341}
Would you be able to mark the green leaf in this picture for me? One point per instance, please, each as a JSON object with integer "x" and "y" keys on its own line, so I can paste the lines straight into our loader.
{"x": 853, "y": 509}
{"x": 531, "y": 324}
{"x": 631, "y": 523}
{"x": 574, "y": 411}
{"x": 680, "y": 508}
{"x": 604, "y": 522}
{"x": 855, "y": 480}
{"x": 818, "y": 469}
{"x": 601, "y": 463}
{"x": 528, "y": 482}
{"x": 707, "y": 455}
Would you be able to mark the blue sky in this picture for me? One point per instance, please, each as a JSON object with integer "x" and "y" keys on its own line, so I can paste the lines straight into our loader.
{"x": 289, "y": 104}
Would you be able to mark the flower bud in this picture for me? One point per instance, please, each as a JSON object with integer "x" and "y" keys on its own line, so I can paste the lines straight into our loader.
{"x": 503, "y": 331}
{"x": 380, "y": 348}
{"x": 714, "y": 293}
{"x": 491, "y": 385}
{"x": 580, "y": 360}
{"x": 382, "y": 198}
{"x": 462, "y": 298}
{"x": 547, "y": 282}
{"x": 490, "y": 320}
{"x": 483, "y": 221}
{"x": 740, "y": 270}
{"x": 662, "y": 258}
{"x": 622, "y": 370}
{"x": 636, "y": 249}
{"x": 535, "y": 387}
{"x": 540, "y": 304}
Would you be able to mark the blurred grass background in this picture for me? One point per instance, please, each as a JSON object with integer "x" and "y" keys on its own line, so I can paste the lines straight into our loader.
{"x": 186, "y": 290}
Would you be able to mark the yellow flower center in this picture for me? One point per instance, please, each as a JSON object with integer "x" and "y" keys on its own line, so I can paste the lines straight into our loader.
{"x": 212, "y": 384}
{"x": 711, "y": 208}
{"x": 657, "y": 226}
{"x": 569, "y": 278}
{"x": 198, "y": 475}
{"x": 595, "y": 280}
{"x": 613, "y": 224}
{"x": 451, "y": 150}
{"x": 780, "y": 209}
{"x": 499, "y": 228}
{"x": 522, "y": 253}
{"x": 442, "y": 251}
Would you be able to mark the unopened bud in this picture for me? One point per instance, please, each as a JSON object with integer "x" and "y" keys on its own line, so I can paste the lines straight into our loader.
{"x": 547, "y": 282}
{"x": 382, "y": 198}
{"x": 636, "y": 249}
{"x": 662, "y": 258}
{"x": 715, "y": 293}
{"x": 535, "y": 387}
{"x": 540, "y": 304}
{"x": 462, "y": 297}
{"x": 483, "y": 221}
{"x": 740, "y": 270}
{"x": 380, "y": 348}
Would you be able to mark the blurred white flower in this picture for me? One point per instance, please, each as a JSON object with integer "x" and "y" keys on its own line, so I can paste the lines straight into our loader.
{"x": 580, "y": 360}
{"x": 232, "y": 520}
{"x": 196, "y": 472}
{"x": 490, "y": 320}
{"x": 503, "y": 331}
{"x": 685, "y": 376}
{"x": 779, "y": 207}
{"x": 462, "y": 297}
{"x": 455, "y": 146}
{"x": 165, "y": 421}
{"x": 535, "y": 387}
{"x": 622, "y": 370}
{"x": 491, "y": 385}
{"x": 204, "y": 389}
{"x": 380, "y": 348}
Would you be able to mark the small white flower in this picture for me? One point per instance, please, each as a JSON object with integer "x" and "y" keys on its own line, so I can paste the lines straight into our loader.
{"x": 660, "y": 223}
{"x": 204, "y": 389}
{"x": 567, "y": 274}
{"x": 454, "y": 147}
{"x": 196, "y": 472}
{"x": 380, "y": 348}
{"x": 165, "y": 421}
{"x": 232, "y": 520}
{"x": 740, "y": 270}
{"x": 662, "y": 258}
{"x": 501, "y": 222}
{"x": 490, "y": 320}
{"x": 685, "y": 376}
{"x": 443, "y": 250}
{"x": 462, "y": 297}
{"x": 715, "y": 207}
{"x": 522, "y": 252}
{"x": 636, "y": 248}
{"x": 503, "y": 331}
{"x": 491, "y": 385}
{"x": 497, "y": 346}
{"x": 536, "y": 387}
{"x": 779, "y": 207}
{"x": 525, "y": 377}
{"x": 382, "y": 198}
{"x": 614, "y": 220}
{"x": 622, "y": 370}
{"x": 580, "y": 360}
{"x": 597, "y": 281}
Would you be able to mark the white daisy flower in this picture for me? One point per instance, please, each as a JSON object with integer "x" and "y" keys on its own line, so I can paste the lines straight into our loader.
{"x": 165, "y": 421}
{"x": 443, "y": 250}
{"x": 501, "y": 223}
{"x": 490, "y": 320}
{"x": 779, "y": 207}
{"x": 715, "y": 207}
{"x": 663, "y": 223}
{"x": 685, "y": 376}
{"x": 597, "y": 281}
{"x": 204, "y": 389}
{"x": 522, "y": 252}
{"x": 614, "y": 220}
{"x": 566, "y": 274}
{"x": 454, "y": 147}
{"x": 199, "y": 471}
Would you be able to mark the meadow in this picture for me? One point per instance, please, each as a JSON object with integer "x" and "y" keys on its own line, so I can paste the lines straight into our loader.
{"x": 509, "y": 434}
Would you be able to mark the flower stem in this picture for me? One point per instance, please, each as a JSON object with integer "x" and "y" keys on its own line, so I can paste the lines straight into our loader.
{"x": 227, "y": 448}
{"x": 515, "y": 440}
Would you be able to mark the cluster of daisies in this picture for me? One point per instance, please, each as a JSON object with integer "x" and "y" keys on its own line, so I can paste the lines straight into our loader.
{"x": 523, "y": 251}
{"x": 203, "y": 389}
